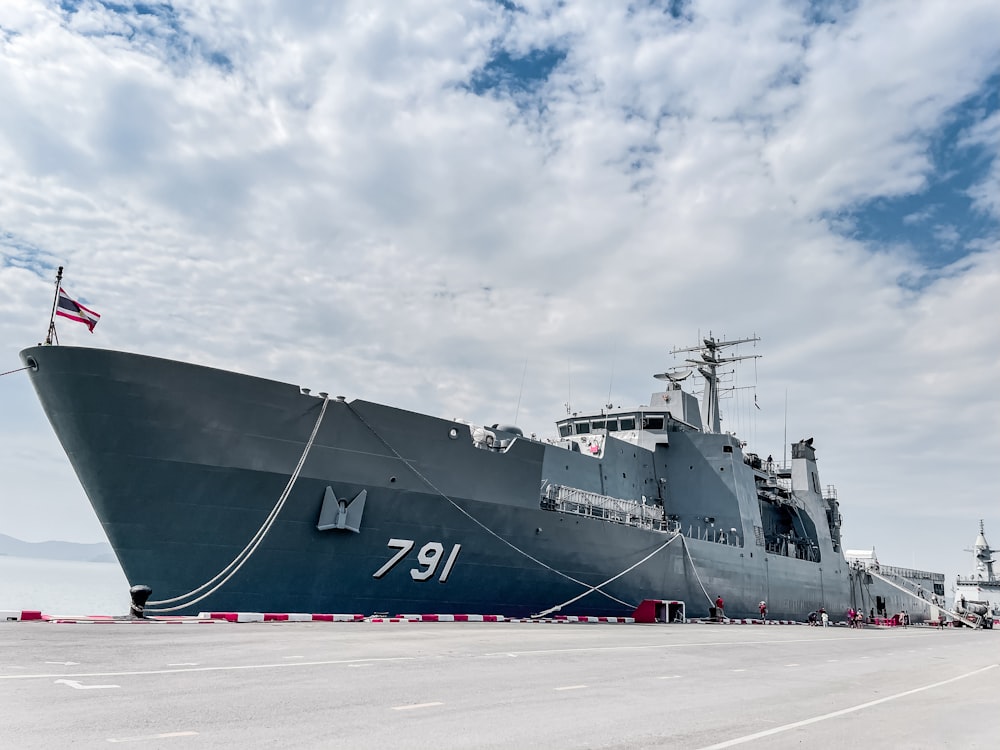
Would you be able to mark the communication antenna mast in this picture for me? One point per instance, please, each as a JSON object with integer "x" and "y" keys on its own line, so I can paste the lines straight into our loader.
{"x": 708, "y": 363}
{"x": 784, "y": 441}
{"x": 569, "y": 388}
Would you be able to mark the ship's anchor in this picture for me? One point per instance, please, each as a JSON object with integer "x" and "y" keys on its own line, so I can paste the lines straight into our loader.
{"x": 341, "y": 514}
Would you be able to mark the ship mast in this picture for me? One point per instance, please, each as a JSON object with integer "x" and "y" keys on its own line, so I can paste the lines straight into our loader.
{"x": 708, "y": 363}
{"x": 984, "y": 556}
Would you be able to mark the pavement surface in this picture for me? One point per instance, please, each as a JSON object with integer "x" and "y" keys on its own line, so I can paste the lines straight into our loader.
{"x": 495, "y": 685}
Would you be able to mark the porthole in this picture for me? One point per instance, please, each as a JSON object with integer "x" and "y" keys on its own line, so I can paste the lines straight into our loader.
{"x": 453, "y": 433}
{"x": 392, "y": 480}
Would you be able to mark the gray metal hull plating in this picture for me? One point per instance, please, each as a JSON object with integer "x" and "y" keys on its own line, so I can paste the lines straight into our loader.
{"x": 183, "y": 464}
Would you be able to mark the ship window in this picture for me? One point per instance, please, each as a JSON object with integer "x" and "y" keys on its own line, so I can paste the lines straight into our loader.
{"x": 652, "y": 422}
{"x": 612, "y": 425}
{"x": 627, "y": 423}
{"x": 565, "y": 430}
{"x": 582, "y": 428}
{"x": 598, "y": 425}
{"x": 727, "y": 449}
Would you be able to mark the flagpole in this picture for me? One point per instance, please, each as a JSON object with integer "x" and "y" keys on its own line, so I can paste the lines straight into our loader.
{"x": 52, "y": 315}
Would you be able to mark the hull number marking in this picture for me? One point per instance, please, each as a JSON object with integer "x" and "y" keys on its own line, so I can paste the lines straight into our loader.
{"x": 429, "y": 557}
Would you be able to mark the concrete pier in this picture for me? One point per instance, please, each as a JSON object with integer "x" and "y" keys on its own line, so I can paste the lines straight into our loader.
{"x": 495, "y": 685}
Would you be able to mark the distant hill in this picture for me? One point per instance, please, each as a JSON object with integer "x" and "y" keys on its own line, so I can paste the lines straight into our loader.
{"x": 100, "y": 552}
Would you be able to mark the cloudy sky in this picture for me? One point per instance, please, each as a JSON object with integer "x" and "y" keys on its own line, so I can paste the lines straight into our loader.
{"x": 491, "y": 210}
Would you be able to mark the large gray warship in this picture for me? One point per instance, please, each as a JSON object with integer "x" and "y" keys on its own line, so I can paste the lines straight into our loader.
{"x": 223, "y": 491}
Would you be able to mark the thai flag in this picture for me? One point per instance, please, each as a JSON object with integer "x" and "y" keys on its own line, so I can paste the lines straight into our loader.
{"x": 70, "y": 308}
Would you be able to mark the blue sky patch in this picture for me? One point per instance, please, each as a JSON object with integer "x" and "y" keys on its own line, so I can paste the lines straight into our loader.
{"x": 159, "y": 25}
{"x": 940, "y": 222}
{"x": 18, "y": 253}
{"x": 829, "y": 11}
{"x": 516, "y": 74}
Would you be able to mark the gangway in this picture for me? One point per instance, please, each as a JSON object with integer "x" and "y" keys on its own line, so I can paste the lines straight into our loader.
{"x": 976, "y": 623}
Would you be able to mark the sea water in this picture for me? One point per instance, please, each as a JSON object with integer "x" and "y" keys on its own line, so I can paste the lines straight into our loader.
{"x": 61, "y": 587}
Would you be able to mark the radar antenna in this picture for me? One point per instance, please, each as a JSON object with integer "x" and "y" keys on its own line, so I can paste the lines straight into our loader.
{"x": 708, "y": 363}
{"x": 674, "y": 376}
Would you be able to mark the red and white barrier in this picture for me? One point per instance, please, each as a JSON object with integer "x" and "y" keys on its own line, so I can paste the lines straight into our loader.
{"x": 748, "y": 621}
{"x": 277, "y": 617}
{"x": 337, "y": 618}
{"x": 454, "y": 618}
{"x": 20, "y": 615}
{"x": 28, "y": 615}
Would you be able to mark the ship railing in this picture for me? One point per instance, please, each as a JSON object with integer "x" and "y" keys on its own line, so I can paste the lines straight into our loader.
{"x": 579, "y": 502}
{"x": 710, "y": 533}
{"x": 920, "y": 575}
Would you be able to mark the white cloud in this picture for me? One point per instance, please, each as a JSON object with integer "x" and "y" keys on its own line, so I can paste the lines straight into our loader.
{"x": 986, "y": 135}
{"x": 335, "y": 208}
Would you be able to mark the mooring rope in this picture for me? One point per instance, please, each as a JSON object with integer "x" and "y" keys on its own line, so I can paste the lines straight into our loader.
{"x": 697, "y": 577}
{"x": 11, "y": 372}
{"x": 254, "y": 543}
{"x": 475, "y": 520}
{"x": 613, "y": 578}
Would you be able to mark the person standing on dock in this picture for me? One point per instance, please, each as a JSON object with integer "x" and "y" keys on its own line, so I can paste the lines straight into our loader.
{"x": 824, "y": 617}
{"x": 763, "y": 609}
{"x": 719, "y": 607}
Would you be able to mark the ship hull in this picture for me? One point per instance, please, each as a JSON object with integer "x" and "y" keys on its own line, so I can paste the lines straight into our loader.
{"x": 184, "y": 464}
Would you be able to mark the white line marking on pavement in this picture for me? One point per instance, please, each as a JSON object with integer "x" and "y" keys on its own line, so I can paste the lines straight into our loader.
{"x": 185, "y": 664}
{"x": 233, "y": 668}
{"x": 79, "y": 686}
{"x": 739, "y": 670}
{"x": 706, "y": 644}
{"x": 417, "y": 705}
{"x": 571, "y": 687}
{"x": 791, "y": 665}
{"x": 64, "y": 663}
{"x": 164, "y": 736}
{"x": 841, "y": 712}
{"x": 356, "y": 666}
{"x": 670, "y": 677}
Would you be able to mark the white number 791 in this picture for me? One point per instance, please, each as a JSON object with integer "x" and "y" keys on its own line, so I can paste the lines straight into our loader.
{"x": 429, "y": 558}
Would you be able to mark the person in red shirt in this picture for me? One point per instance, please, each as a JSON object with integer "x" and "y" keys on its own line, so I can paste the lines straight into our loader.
{"x": 719, "y": 607}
